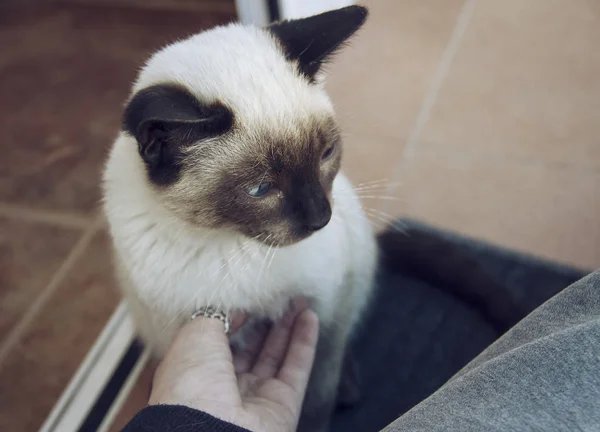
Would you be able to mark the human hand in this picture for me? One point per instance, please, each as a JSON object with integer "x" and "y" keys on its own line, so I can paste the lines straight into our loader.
{"x": 265, "y": 388}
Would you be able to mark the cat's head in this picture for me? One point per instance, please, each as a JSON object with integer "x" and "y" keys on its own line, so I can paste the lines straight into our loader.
{"x": 235, "y": 130}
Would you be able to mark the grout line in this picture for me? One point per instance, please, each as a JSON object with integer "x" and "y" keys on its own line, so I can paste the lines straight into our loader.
{"x": 498, "y": 158}
{"x": 17, "y": 331}
{"x": 12, "y": 211}
{"x": 430, "y": 100}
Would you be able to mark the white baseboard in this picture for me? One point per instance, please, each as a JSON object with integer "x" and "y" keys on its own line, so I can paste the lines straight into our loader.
{"x": 290, "y": 9}
{"x": 255, "y": 12}
{"x": 94, "y": 372}
{"x": 124, "y": 392}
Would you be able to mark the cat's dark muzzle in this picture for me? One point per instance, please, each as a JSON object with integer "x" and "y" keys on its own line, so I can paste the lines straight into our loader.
{"x": 310, "y": 210}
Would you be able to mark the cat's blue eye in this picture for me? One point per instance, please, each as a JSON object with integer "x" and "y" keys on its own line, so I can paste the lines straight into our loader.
{"x": 328, "y": 152}
{"x": 260, "y": 190}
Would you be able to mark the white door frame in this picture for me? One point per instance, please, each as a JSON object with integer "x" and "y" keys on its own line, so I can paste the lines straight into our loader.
{"x": 259, "y": 12}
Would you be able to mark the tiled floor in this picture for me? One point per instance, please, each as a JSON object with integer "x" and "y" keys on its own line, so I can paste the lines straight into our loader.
{"x": 64, "y": 73}
{"x": 486, "y": 113}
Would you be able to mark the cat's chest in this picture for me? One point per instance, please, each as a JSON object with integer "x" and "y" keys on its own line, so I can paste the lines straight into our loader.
{"x": 267, "y": 282}
{"x": 254, "y": 278}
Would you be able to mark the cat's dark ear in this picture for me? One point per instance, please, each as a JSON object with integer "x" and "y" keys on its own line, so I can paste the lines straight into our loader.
{"x": 310, "y": 41}
{"x": 165, "y": 118}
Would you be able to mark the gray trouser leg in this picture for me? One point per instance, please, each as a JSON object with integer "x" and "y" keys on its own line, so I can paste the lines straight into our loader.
{"x": 543, "y": 375}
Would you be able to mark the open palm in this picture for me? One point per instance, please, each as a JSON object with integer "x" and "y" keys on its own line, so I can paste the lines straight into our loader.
{"x": 260, "y": 388}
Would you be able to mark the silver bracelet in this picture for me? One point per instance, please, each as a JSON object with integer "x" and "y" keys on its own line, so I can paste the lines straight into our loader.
{"x": 212, "y": 312}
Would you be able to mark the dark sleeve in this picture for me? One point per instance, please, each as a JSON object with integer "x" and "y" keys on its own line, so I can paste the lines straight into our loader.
{"x": 166, "y": 418}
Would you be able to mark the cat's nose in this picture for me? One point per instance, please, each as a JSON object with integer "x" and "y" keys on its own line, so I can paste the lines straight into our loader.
{"x": 310, "y": 207}
{"x": 319, "y": 221}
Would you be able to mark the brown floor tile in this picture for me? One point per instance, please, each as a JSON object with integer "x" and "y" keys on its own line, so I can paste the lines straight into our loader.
{"x": 379, "y": 82}
{"x": 526, "y": 81}
{"x": 82, "y": 61}
{"x": 548, "y": 210}
{"x": 137, "y": 399}
{"x": 29, "y": 255}
{"x": 51, "y": 349}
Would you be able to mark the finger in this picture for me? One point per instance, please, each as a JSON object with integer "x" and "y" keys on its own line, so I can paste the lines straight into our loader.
{"x": 245, "y": 357}
{"x": 300, "y": 356}
{"x": 200, "y": 353}
{"x": 238, "y": 319}
{"x": 271, "y": 357}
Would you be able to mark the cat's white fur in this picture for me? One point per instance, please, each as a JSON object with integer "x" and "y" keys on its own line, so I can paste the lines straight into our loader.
{"x": 168, "y": 269}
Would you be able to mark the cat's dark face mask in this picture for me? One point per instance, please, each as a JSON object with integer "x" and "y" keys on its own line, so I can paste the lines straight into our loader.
{"x": 270, "y": 183}
{"x": 280, "y": 193}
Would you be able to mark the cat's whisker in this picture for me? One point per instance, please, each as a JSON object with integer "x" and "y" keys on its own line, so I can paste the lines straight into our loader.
{"x": 254, "y": 255}
{"x": 228, "y": 261}
{"x": 385, "y": 222}
{"x": 338, "y": 220}
{"x": 246, "y": 266}
{"x": 364, "y": 194}
{"x": 382, "y": 197}
{"x": 393, "y": 222}
{"x": 390, "y": 222}
{"x": 251, "y": 258}
{"x": 241, "y": 253}
{"x": 379, "y": 212}
{"x": 263, "y": 177}
{"x": 195, "y": 296}
{"x": 272, "y": 256}
{"x": 378, "y": 218}
{"x": 382, "y": 186}
{"x": 399, "y": 226}
{"x": 216, "y": 290}
{"x": 372, "y": 190}
{"x": 260, "y": 273}
{"x": 383, "y": 180}
{"x": 361, "y": 214}
{"x": 247, "y": 257}
{"x": 245, "y": 249}
{"x": 374, "y": 194}
{"x": 266, "y": 240}
{"x": 378, "y": 225}
{"x": 245, "y": 253}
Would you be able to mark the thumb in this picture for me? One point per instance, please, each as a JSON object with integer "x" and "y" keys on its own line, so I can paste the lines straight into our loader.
{"x": 201, "y": 341}
{"x": 197, "y": 366}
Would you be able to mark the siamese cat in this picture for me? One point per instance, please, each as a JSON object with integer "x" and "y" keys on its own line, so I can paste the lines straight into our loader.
{"x": 224, "y": 189}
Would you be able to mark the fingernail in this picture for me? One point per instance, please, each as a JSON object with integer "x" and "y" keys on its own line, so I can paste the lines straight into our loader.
{"x": 289, "y": 317}
{"x": 299, "y": 304}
